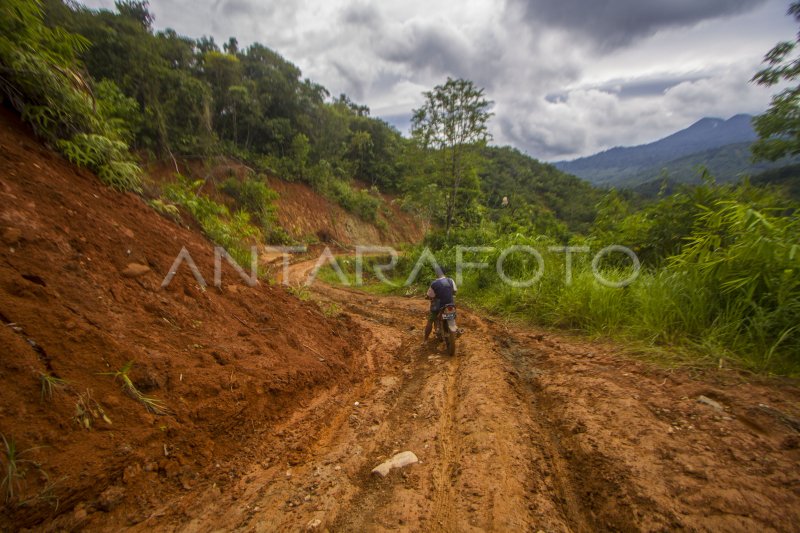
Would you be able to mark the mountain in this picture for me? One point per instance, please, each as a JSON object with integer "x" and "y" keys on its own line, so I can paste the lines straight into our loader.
{"x": 722, "y": 146}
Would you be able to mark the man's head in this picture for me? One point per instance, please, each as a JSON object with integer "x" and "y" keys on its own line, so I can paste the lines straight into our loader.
{"x": 441, "y": 272}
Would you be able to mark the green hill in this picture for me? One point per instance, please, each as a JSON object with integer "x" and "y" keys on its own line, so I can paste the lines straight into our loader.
{"x": 523, "y": 180}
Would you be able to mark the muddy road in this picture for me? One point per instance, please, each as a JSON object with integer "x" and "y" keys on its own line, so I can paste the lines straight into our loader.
{"x": 523, "y": 430}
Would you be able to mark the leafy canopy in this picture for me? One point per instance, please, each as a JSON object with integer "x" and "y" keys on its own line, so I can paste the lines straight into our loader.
{"x": 779, "y": 127}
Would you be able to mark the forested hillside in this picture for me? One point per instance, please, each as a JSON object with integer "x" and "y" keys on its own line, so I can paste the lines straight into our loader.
{"x": 180, "y": 97}
{"x": 786, "y": 178}
{"x": 173, "y": 97}
{"x": 539, "y": 197}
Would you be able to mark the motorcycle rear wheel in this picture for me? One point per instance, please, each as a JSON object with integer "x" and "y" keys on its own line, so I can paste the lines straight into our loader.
{"x": 450, "y": 341}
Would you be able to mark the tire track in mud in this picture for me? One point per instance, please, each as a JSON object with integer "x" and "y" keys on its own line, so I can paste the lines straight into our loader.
{"x": 589, "y": 491}
{"x": 360, "y": 510}
{"x": 359, "y": 513}
{"x": 374, "y": 495}
{"x": 580, "y": 491}
{"x": 449, "y": 446}
{"x": 493, "y": 429}
{"x": 368, "y": 506}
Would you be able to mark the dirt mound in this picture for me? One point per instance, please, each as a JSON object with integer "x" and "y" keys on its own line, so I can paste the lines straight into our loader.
{"x": 303, "y": 212}
{"x": 81, "y": 296}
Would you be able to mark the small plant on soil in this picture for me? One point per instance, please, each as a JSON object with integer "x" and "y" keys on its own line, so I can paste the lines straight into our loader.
{"x": 165, "y": 209}
{"x": 87, "y": 410}
{"x": 331, "y": 310}
{"x": 13, "y": 473}
{"x": 153, "y": 405}
{"x": 50, "y": 384}
{"x": 300, "y": 292}
{"x": 47, "y": 495}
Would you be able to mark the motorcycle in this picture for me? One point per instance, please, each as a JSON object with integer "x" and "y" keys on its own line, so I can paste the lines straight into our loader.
{"x": 446, "y": 328}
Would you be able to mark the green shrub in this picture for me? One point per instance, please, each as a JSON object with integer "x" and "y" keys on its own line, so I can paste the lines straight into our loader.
{"x": 359, "y": 202}
{"x": 121, "y": 112}
{"x": 166, "y": 209}
{"x": 234, "y": 232}
{"x": 254, "y": 196}
{"x": 106, "y": 157}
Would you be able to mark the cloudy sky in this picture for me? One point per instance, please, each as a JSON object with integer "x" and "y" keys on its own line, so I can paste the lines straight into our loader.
{"x": 568, "y": 77}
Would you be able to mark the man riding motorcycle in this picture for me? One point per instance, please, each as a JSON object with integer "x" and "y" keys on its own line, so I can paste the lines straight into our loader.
{"x": 441, "y": 292}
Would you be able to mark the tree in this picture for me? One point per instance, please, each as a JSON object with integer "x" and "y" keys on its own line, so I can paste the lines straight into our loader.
{"x": 779, "y": 128}
{"x": 300, "y": 151}
{"x": 231, "y": 47}
{"x": 452, "y": 121}
{"x": 360, "y": 152}
{"x": 138, "y": 10}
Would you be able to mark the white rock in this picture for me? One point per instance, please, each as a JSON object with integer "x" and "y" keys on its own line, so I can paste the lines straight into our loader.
{"x": 398, "y": 461}
{"x": 313, "y": 525}
{"x": 711, "y": 403}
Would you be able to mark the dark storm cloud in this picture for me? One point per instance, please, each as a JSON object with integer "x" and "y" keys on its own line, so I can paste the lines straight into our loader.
{"x": 354, "y": 82}
{"x": 540, "y": 142}
{"x": 615, "y": 23}
{"x": 361, "y": 15}
{"x": 435, "y": 50}
{"x": 646, "y": 87}
{"x": 401, "y": 121}
{"x": 426, "y": 47}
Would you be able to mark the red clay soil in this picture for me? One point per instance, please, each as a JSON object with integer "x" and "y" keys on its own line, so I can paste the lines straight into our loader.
{"x": 226, "y": 363}
{"x": 303, "y": 212}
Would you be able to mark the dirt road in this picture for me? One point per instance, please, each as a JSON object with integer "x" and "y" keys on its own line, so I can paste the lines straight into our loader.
{"x": 521, "y": 431}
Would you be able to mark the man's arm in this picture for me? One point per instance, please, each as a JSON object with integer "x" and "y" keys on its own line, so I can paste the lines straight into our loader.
{"x": 430, "y": 292}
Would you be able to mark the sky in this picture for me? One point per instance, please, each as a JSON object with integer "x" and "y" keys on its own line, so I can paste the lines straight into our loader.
{"x": 568, "y": 78}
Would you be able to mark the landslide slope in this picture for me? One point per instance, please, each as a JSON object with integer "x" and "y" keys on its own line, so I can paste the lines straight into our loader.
{"x": 305, "y": 214}
{"x": 227, "y": 363}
